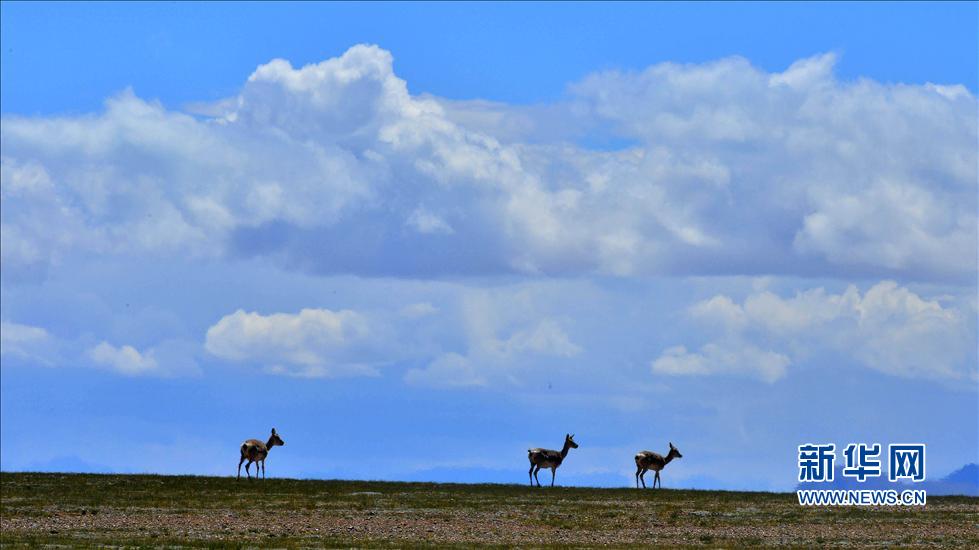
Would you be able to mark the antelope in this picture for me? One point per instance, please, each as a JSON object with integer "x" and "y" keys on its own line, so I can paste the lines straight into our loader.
{"x": 648, "y": 460}
{"x": 255, "y": 451}
{"x": 546, "y": 458}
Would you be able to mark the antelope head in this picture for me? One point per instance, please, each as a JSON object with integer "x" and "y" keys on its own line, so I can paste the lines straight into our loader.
{"x": 674, "y": 452}
{"x": 569, "y": 441}
{"x": 275, "y": 439}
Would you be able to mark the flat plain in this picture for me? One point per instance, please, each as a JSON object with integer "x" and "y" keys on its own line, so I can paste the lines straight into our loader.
{"x": 82, "y": 510}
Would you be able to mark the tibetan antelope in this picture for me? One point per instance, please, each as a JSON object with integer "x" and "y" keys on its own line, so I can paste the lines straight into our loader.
{"x": 648, "y": 460}
{"x": 546, "y": 458}
{"x": 255, "y": 451}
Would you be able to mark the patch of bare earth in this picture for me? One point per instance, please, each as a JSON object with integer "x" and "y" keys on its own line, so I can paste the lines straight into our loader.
{"x": 325, "y": 514}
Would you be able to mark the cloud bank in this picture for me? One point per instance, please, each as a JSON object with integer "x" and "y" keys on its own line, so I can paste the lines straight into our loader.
{"x": 334, "y": 167}
{"x": 311, "y": 343}
{"x": 124, "y": 359}
{"x": 718, "y": 169}
{"x": 888, "y": 328}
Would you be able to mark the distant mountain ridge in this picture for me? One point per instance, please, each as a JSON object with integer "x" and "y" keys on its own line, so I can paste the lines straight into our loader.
{"x": 964, "y": 481}
{"x": 966, "y": 474}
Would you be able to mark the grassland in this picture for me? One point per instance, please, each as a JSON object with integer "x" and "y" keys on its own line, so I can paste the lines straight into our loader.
{"x": 147, "y": 510}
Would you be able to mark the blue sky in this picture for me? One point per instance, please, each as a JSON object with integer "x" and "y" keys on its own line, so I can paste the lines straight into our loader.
{"x": 458, "y": 231}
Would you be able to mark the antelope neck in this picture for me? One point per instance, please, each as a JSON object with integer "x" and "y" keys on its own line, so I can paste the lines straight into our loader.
{"x": 564, "y": 451}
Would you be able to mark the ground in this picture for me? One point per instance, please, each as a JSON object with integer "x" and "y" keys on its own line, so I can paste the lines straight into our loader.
{"x": 149, "y": 510}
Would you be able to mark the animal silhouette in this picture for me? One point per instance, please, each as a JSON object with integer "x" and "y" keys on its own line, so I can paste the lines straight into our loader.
{"x": 255, "y": 451}
{"x": 547, "y": 458}
{"x": 648, "y": 460}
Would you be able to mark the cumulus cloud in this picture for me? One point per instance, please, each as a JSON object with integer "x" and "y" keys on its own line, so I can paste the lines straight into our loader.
{"x": 424, "y": 221}
{"x": 545, "y": 337}
{"x": 888, "y": 328}
{"x": 124, "y": 360}
{"x": 450, "y": 370}
{"x": 719, "y": 359}
{"x": 34, "y": 345}
{"x": 506, "y": 335}
{"x": 312, "y": 343}
{"x": 335, "y": 168}
{"x": 24, "y": 341}
{"x": 809, "y": 157}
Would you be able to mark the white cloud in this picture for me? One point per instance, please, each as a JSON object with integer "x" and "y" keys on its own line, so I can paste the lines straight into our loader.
{"x": 719, "y": 359}
{"x": 860, "y": 223}
{"x": 24, "y": 341}
{"x": 719, "y": 309}
{"x": 14, "y": 334}
{"x": 506, "y": 335}
{"x": 423, "y": 221}
{"x": 806, "y": 73}
{"x": 726, "y": 168}
{"x": 419, "y": 309}
{"x": 546, "y": 337}
{"x": 37, "y": 346}
{"x": 311, "y": 343}
{"x": 888, "y": 328}
{"x": 124, "y": 360}
{"x": 449, "y": 370}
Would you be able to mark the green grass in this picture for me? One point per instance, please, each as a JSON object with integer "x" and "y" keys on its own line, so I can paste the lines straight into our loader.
{"x": 184, "y": 511}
